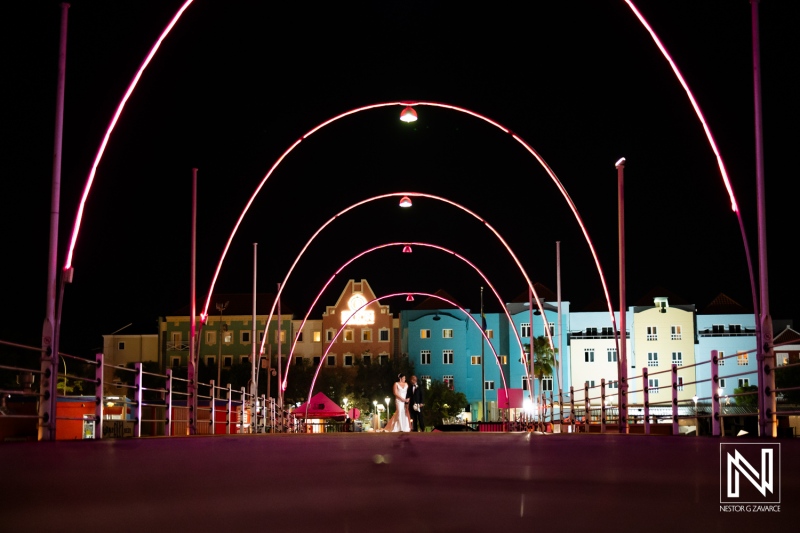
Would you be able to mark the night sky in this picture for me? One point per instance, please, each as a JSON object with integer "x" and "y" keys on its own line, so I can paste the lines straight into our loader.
{"x": 237, "y": 82}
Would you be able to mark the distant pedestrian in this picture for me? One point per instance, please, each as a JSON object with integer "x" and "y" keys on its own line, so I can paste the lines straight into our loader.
{"x": 416, "y": 399}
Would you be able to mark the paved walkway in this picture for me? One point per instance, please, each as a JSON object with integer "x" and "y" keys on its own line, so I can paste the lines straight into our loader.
{"x": 361, "y": 482}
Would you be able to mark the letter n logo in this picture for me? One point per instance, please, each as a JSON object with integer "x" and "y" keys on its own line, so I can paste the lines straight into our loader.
{"x": 750, "y": 473}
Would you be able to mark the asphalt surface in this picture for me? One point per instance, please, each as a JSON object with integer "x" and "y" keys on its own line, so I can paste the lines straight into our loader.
{"x": 364, "y": 482}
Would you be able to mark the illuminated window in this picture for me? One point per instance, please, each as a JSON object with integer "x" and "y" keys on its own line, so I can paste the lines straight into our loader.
{"x": 449, "y": 382}
{"x": 447, "y": 357}
{"x": 282, "y": 336}
{"x": 447, "y": 333}
{"x": 424, "y": 334}
{"x": 503, "y": 359}
{"x": 721, "y": 358}
{"x": 652, "y": 333}
{"x": 741, "y": 359}
{"x": 652, "y": 359}
{"x": 525, "y": 330}
{"x": 475, "y": 359}
{"x": 348, "y": 335}
{"x": 490, "y": 333}
{"x": 317, "y": 336}
{"x": 329, "y": 335}
{"x": 211, "y": 337}
{"x": 366, "y": 335}
{"x": 675, "y": 333}
{"x": 425, "y": 357}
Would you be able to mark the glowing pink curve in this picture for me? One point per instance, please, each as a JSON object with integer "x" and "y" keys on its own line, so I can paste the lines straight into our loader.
{"x": 529, "y": 148}
{"x": 79, "y": 216}
{"x": 714, "y": 148}
{"x": 341, "y": 328}
{"x": 380, "y": 247}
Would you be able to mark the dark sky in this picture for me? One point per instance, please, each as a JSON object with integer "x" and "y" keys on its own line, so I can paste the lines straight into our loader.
{"x": 237, "y": 82}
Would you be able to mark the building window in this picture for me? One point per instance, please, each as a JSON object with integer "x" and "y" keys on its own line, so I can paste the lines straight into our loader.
{"x": 426, "y": 381}
{"x": 383, "y": 360}
{"x": 383, "y": 335}
{"x": 652, "y": 333}
{"x": 741, "y": 359}
{"x": 612, "y": 385}
{"x": 447, "y": 333}
{"x": 612, "y": 355}
{"x": 552, "y": 327}
{"x": 282, "y": 336}
{"x": 366, "y": 335}
{"x": 261, "y": 337}
{"x": 721, "y": 383}
{"x": 175, "y": 361}
{"x": 588, "y": 356}
{"x": 331, "y": 360}
{"x": 735, "y": 328}
{"x": 317, "y": 336}
{"x": 744, "y": 382}
{"x": 227, "y": 361}
{"x": 348, "y": 335}
{"x": 424, "y": 334}
{"x": 245, "y": 359}
{"x": 211, "y": 337}
{"x": 447, "y": 357}
{"x": 245, "y": 336}
{"x": 475, "y": 359}
{"x": 299, "y": 336}
{"x": 525, "y": 383}
{"x": 316, "y": 360}
{"x": 717, "y": 328}
{"x": 348, "y": 360}
{"x": 652, "y": 359}
{"x": 490, "y": 334}
{"x": 211, "y": 361}
{"x": 525, "y": 330}
{"x": 425, "y": 357}
{"x": 488, "y": 385}
{"x": 677, "y": 358}
{"x": 120, "y": 346}
{"x": 547, "y": 384}
{"x": 680, "y": 383}
{"x": 299, "y": 361}
{"x": 329, "y": 335}
{"x": 652, "y": 385}
{"x": 366, "y": 359}
{"x": 675, "y": 333}
{"x": 449, "y": 382}
{"x": 503, "y": 359}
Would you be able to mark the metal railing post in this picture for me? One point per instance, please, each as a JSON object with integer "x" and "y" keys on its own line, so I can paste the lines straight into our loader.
{"x": 137, "y": 427}
{"x": 98, "y": 398}
{"x": 243, "y": 398}
{"x": 715, "y": 417}
{"x": 675, "y": 428}
{"x": 168, "y": 417}
{"x": 646, "y": 397}
{"x": 228, "y": 412}
{"x": 602, "y": 405}
{"x": 588, "y": 416}
{"x": 213, "y": 407}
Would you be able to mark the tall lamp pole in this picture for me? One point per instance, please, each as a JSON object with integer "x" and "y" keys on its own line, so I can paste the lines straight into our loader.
{"x": 622, "y": 359}
{"x": 220, "y": 307}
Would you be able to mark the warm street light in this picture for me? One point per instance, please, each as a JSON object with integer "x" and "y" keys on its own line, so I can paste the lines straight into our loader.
{"x": 408, "y": 115}
{"x": 387, "y": 409}
{"x": 345, "y": 413}
{"x": 405, "y": 201}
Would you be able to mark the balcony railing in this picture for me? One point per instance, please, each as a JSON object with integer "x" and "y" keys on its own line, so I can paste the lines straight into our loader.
{"x": 178, "y": 346}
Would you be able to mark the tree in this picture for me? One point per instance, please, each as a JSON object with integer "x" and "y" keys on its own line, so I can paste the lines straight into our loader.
{"x": 543, "y": 359}
{"x": 750, "y": 400}
{"x": 787, "y": 378}
{"x": 442, "y": 402}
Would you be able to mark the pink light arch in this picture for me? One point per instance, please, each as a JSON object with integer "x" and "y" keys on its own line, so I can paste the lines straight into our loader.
{"x": 406, "y": 294}
{"x": 380, "y": 247}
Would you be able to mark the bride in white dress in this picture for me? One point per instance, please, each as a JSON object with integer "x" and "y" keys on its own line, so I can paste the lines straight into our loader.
{"x": 400, "y": 421}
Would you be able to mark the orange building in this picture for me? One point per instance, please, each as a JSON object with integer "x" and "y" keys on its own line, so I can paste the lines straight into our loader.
{"x": 367, "y": 329}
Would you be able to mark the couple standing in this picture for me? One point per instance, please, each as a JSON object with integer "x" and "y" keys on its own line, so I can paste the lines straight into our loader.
{"x": 408, "y": 401}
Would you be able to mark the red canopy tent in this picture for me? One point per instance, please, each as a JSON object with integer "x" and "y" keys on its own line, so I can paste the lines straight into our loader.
{"x": 319, "y": 406}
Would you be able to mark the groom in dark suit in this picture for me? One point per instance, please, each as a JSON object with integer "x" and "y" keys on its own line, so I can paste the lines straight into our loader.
{"x": 415, "y": 402}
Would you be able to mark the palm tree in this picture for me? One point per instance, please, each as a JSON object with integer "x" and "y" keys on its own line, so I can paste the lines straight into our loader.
{"x": 543, "y": 359}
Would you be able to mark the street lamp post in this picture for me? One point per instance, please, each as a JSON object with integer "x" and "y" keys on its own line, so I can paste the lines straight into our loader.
{"x": 622, "y": 359}
{"x": 375, "y": 413}
{"x": 345, "y": 413}
{"x": 387, "y": 409}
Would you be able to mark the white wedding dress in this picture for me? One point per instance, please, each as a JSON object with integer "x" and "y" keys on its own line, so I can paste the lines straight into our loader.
{"x": 401, "y": 422}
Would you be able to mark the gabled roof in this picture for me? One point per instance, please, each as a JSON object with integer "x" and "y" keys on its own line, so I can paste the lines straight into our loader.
{"x": 725, "y": 305}
{"x": 429, "y": 303}
{"x": 541, "y": 290}
{"x": 787, "y": 335}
